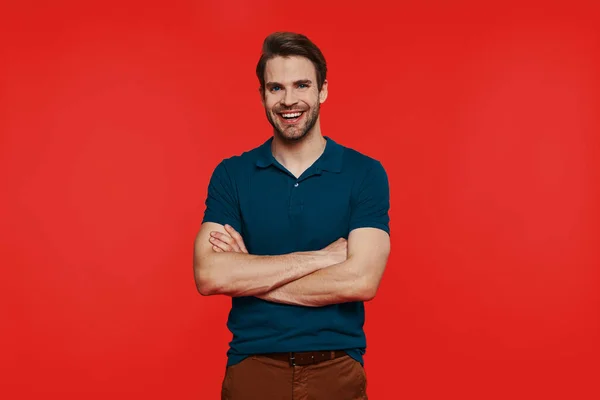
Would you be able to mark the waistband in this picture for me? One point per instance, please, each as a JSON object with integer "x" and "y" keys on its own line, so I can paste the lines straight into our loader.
{"x": 306, "y": 357}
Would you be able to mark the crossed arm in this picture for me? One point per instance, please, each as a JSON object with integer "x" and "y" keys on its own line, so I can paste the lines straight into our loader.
{"x": 341, "y": 272}
{"x": 355, "y": 279}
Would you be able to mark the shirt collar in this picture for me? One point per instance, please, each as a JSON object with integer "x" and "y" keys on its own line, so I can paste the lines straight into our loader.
{"x": 330, "y": 160}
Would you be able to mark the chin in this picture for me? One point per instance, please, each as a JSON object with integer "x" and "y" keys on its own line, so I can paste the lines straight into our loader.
{"x": 292, "y": 137}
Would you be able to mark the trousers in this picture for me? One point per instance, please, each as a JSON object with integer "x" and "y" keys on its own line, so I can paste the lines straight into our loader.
{"x": 263, "y": 378}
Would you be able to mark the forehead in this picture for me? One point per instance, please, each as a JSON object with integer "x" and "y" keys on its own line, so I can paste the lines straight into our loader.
{"x": 289, "y": 69}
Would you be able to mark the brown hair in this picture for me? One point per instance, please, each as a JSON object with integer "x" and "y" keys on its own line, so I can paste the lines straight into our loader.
{"x": 288, "y": 44}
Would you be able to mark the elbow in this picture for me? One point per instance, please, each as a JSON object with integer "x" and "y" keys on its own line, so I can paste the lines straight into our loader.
{"x": 368, "y": 290}
{"x": 368, "y": 284}
{"x": 368, "y": 294}
{"x": 208, "y": 287}
{"x": 205, "y": 286}
{"x": 206, "y": 283}
{"x": 361, "y": 289}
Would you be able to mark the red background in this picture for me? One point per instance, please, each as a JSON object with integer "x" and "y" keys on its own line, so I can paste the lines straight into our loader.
{"x": 486, "y": 117}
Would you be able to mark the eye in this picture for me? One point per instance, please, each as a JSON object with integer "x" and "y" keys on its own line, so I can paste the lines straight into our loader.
{"x": 303, "y": 86}
{"x": 275, "y": 88}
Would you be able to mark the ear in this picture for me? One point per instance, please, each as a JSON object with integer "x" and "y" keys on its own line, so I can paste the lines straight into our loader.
{"x": 261, "y": 91}
{"x": 323, "y": 93}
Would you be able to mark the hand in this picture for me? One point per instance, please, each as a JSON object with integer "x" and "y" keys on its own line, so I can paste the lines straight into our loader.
{"x": 225, "y": 243}
{"x": 337, "y": 251}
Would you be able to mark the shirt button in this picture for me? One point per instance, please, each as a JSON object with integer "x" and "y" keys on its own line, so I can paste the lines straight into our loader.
{"x": 296, "y": 184}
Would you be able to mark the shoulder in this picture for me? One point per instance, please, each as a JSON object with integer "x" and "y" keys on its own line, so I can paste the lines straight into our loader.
{"x": 367, "y": 174}
{"x": 360, "y": 164}
{"x": 237, "y": 164}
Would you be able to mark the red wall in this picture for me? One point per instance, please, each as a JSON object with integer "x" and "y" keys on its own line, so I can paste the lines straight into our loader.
{"x": 112, "y": 117}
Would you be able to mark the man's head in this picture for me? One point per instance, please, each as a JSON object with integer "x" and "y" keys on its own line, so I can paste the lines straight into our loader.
{"x": 293, "y": 83}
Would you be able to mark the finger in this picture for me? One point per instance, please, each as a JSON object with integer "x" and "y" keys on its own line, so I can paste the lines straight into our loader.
{"x": 226, "y": 239}
{"x": 217, "y": 249}
{"x": 237, "y": 237}
{"x": 220, "y": 244}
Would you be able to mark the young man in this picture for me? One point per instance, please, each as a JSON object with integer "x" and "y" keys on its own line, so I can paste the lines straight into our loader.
{"x": 296, "y": 231}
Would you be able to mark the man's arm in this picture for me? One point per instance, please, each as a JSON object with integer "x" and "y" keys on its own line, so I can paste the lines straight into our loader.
{"x": 242, "y": 274}
{"x": 356, "y": 279}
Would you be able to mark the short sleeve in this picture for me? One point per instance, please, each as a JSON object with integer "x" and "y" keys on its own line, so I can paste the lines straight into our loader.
{"x": 371, "y": 200}
{"x": 222, "y": 205}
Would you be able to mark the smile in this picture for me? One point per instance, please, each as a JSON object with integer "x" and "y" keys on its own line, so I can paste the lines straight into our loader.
{"x": 291, "y": 117}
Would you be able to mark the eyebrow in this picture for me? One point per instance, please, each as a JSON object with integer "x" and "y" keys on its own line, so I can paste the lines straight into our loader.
{"x": 298, "y": 82}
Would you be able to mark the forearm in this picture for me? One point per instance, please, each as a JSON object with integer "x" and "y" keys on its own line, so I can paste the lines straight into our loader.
{"x": 336, "y": 284}
{"x": 241, "y": 274}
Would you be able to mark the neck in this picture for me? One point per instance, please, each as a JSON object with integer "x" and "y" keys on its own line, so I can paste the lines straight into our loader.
{"x": 297, "y": 156}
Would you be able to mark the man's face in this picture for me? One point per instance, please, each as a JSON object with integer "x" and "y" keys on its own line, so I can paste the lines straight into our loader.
{"x": 291, "y": 97}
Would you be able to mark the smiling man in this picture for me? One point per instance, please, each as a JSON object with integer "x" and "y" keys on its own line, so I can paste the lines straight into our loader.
{"x": 296, "y": 232}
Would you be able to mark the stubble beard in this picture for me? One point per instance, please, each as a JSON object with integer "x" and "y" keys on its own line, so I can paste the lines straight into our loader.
{"x": 280, "y": 131}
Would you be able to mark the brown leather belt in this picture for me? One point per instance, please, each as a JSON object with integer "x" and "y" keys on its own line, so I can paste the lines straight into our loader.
{"x": 307, "y": 357}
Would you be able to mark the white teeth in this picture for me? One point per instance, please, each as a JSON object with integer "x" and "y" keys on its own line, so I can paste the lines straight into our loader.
{"x": 291, "y": 115}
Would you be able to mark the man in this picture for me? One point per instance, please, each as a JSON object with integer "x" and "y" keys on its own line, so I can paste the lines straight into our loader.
{"x": 296, "y": 231}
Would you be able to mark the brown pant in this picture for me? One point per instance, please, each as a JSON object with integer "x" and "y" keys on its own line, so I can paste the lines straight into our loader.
{"x": 263, "y": 378}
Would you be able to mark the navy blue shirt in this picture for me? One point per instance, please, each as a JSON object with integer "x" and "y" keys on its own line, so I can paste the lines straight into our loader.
{"x": 277, "y": 213}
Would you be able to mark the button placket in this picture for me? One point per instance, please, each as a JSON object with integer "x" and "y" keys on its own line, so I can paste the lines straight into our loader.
{"x": 296, "y": 204}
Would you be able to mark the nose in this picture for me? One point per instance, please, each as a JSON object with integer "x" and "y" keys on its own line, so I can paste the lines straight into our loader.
{"x": 289, "y": 99}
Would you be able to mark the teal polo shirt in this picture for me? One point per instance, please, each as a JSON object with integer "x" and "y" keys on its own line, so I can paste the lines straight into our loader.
{"x": 277, "y": 213}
